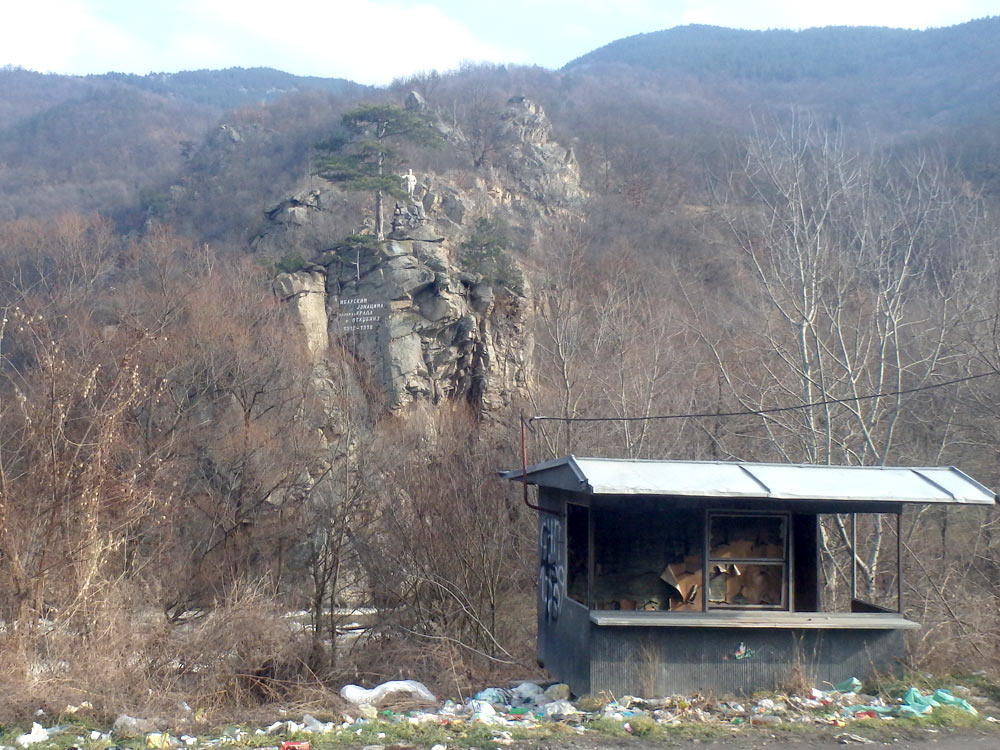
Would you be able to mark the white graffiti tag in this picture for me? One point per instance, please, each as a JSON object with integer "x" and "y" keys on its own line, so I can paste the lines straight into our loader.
{"x": 551, "y": 575}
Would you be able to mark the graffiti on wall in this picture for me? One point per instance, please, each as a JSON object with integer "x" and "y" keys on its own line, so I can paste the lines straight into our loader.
{"x": 551, "y": 574}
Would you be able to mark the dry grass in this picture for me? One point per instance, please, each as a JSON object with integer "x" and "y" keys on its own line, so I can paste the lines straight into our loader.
{"x": 244, "y": 653}
{"x": 244, "y": 659}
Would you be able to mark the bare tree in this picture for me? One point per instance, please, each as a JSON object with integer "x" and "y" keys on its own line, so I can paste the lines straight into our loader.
{"x": 846, "y": 257}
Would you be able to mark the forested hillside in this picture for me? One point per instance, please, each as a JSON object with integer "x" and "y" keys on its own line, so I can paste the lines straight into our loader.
{"x": 107, "y": 143}
{"x": 267, "y": 340}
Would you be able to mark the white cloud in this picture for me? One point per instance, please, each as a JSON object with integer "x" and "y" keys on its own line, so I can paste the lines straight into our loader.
{"x": 373, "y": 41}
{"x": 367, "y": 41}
{"x": 364, "y": 40}
{"x": 39, "y": 42}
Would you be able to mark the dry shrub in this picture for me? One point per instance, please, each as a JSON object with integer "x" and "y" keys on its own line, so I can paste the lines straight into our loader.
{"x": 244, "y": 652}
{"x": 452, "y": 560}
{"x": 952, "y": 588}
{"x": 961, "y": 626}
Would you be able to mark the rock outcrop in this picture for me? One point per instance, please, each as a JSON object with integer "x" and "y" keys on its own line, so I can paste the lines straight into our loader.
{"x": 421, "y": 323}
{"x": 306, "y": 292}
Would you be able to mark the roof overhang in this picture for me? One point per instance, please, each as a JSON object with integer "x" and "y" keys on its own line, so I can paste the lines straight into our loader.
{"x": 798, "y": 483}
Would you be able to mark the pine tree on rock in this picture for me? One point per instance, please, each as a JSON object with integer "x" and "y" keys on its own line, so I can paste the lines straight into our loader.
{"x": 369, "y": 159}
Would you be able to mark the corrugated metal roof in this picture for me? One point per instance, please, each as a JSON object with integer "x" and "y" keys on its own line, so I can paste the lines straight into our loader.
{"x": 870, "y": 484}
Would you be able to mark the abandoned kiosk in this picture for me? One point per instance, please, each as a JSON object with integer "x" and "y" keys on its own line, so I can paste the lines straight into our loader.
{"x": 658, "y": 577}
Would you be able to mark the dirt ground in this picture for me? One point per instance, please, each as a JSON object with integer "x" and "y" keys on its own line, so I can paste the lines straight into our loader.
{"x": 942, "y": 739}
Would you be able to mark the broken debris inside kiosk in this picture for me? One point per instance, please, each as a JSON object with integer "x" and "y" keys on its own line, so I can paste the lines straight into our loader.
{"x": 746, "y": 563}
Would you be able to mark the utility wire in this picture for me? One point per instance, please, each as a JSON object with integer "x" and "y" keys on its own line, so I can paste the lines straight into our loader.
{"x": 771, "y": 410}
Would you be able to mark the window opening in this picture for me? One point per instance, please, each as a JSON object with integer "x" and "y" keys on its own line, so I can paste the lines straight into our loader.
{"x": 577, "y": 552}
{"x": 647, "y": 558}
{"x": 747, "y": 561}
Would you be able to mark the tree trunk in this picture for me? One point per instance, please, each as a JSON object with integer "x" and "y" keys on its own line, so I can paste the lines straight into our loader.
{"x": 379, "y": 228}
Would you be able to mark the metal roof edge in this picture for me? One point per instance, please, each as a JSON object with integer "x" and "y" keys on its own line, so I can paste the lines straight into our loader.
{"x": 569, "y": 462}
{"x": 532, "y": 468}
{"x": 986, "y": 490}
{"x": 577, "y": 470}
{"x": 575, "y": 467}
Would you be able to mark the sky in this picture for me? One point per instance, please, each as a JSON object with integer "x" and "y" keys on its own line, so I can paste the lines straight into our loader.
{"x": 375, "y": 41}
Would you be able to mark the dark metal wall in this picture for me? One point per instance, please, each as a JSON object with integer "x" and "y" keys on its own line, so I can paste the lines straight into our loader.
{"x": 651, "y": 661}
{"x": 662, "y": 660}
{"x": 563, "y": 624}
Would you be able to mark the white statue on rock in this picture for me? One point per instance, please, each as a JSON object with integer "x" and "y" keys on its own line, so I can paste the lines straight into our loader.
{"x": 409, "y": 182}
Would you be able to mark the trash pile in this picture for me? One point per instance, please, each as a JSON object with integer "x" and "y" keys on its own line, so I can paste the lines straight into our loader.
{"x": 529, "y": 705}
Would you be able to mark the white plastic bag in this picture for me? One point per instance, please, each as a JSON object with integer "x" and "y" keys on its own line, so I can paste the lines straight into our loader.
{"x": 380, "y": 693}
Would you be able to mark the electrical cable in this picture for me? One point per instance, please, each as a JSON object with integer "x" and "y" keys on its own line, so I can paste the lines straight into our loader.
{"x": 770, "y": 410}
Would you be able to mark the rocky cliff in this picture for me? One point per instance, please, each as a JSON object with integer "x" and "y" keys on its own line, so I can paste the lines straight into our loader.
{"x": 412, "y": 312}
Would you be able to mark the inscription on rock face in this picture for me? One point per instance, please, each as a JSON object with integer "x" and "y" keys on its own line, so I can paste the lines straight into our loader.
{"x": 360, "y": 315}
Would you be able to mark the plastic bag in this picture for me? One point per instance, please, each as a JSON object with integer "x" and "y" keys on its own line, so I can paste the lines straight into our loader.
{"x": 945, "y": 697}
{"x": 380, "y": 693}
{"x": 850, "y": 685}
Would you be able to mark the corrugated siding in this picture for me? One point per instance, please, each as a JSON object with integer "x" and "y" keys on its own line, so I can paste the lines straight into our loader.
{"x": 662, "y": 661}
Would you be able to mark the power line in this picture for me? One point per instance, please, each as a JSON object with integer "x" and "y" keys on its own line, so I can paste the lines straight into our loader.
{"x": 772, "y": 410}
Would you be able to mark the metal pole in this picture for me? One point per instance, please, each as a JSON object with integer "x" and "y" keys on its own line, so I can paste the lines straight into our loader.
{"x": 854, "y": 557}
{"x": 899, "y": 561}
{"x": 706, "y": 539}
{"x": 524, "y": 470}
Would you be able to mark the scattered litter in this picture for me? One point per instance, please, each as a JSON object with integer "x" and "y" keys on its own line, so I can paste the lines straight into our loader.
{"x": 131, "y": 726}
{"x": 845, "y": 738}
{"x": 494, "y": 696}
{"x": 37, "y": 734}
{"x": 764, "y": 705}
{"x": 559, "y": 708}
{"x": 913, "y": 703}
{"x": 311, "y": 724}
{"x": 526, "y": 705}
{"x": 557, "y": 692}
{"x": 528, "y": 692}
{"x": 850, "y": 685}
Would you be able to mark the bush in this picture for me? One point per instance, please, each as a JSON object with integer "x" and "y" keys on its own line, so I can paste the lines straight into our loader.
{"x": 289, "y": 264}
{"x": 485, "y": 253}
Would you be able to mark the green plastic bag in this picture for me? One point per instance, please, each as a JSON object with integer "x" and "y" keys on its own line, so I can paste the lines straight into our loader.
{"x": 850, "y": 685}
{"x": 915, "y": 704}
{"x": 882, "y": 710}
{"x": 946, "y": 698}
